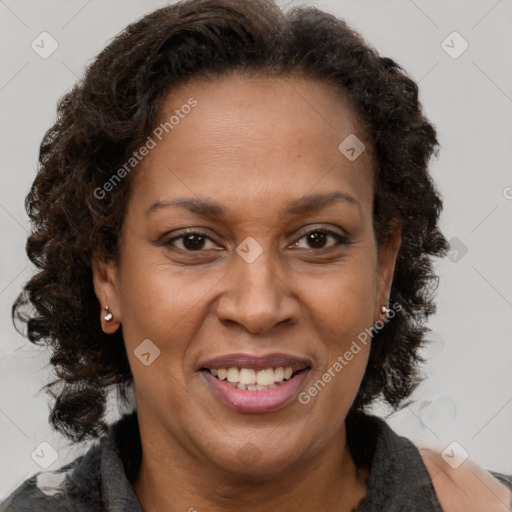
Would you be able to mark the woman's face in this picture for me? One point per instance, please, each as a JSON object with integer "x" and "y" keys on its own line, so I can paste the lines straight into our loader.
{"x": 250, "y": 268}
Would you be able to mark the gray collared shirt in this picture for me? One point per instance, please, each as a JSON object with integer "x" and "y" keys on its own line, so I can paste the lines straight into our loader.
{"x": 100, "y": 480}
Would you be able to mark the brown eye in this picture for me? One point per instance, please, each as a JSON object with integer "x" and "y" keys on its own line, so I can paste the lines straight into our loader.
{"x": 317, "y": 239}
{"x": 192, "y": 242}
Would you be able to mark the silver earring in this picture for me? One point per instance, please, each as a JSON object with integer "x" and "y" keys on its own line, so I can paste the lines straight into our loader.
{"x": 384, "y": 310}
{"x": 109, "y": 316}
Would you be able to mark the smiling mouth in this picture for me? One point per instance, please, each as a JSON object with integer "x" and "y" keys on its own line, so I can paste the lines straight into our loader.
{"x": 249, "y": 379}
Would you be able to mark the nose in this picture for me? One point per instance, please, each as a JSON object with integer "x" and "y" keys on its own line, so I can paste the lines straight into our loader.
{"x": 258, "y": 296}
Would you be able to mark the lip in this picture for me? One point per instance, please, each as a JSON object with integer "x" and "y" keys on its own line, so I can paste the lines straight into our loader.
{"x": 257, "y": 362}
{"x": 256, "y": 401}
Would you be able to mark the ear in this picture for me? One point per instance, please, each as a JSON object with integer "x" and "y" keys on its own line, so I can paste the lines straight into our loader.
{"x": 105, "y": 277}
{"x": 386, "y": 268}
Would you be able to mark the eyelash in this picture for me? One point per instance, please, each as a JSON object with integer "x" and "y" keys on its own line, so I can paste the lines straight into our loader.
{"x": 341, "y": 240}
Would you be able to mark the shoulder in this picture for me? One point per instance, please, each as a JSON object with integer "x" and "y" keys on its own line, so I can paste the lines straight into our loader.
{"x": 40, "y": 492}
{"x": 75, "y": 486}
{"x": 468, "y": 488}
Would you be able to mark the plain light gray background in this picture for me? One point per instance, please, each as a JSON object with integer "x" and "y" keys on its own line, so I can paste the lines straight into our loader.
{"x": 467, "y": 396}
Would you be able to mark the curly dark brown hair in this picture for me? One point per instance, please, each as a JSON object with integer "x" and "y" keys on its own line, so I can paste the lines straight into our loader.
{"x": 110, "y": 113}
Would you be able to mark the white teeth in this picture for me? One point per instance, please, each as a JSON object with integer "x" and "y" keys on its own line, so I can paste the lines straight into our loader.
{"x": 257, "y": 387}
{"x": 233, "y": 375}
{"x": 247, "y": 376}
{"x": 253, "y": 387}
{"x": 265, "y": 377}
{"x": 249, "y": 379}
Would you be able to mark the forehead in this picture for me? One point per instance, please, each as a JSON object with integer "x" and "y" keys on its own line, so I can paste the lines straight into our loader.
{"x": 267, "y": 139}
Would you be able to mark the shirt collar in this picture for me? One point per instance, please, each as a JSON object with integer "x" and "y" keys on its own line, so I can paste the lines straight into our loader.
{"x": 397, "y": 473}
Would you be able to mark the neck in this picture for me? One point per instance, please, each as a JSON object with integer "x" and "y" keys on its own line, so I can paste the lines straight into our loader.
{"x": 170, "y": 481}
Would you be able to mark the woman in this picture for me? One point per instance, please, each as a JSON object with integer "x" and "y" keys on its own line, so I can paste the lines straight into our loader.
{"x": 234, "y": 219}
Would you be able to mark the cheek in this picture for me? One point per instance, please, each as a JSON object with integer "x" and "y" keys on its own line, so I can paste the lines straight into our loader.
{"x": 341, "y": 309}
{"x": 160, "y": 304}
{"x": 163, "y": 303}
{"x": 155, "y": 295}
{"x": 344, "y": 316}
{"x": 344, "y": 300}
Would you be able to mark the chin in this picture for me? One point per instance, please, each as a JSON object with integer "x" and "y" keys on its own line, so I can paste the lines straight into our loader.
{"x": 259, "y": 460}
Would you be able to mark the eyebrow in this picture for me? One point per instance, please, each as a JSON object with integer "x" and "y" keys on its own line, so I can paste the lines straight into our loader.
{"x": 210, "y": 208}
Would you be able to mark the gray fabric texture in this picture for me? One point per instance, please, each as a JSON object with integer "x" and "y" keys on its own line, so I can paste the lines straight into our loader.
{"x": 99, "y": 481}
